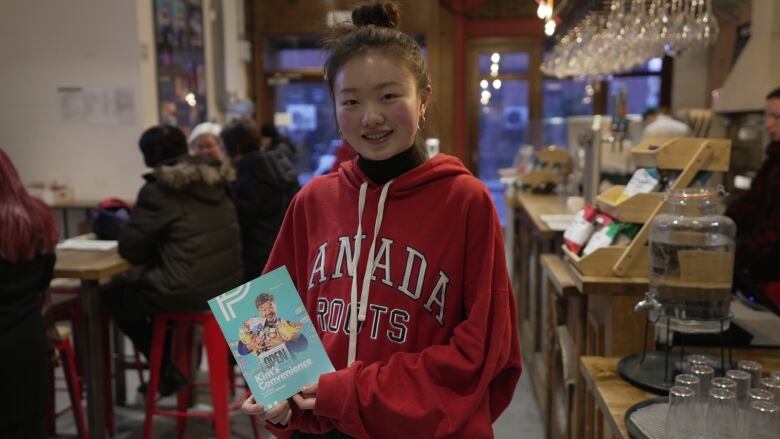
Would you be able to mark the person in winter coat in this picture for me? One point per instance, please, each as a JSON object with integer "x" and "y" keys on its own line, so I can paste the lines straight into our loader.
{"x": 184, "y": 233}
{"x": 271, "y": 139}
{"x": 399, "y": 260}
{"x": 266, "y": 181}
{"x": 28, "y": 235}
{"x": 757, "y": 215}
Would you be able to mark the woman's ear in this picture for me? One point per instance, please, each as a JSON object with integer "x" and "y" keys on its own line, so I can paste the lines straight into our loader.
{"x": 424, "y": 98}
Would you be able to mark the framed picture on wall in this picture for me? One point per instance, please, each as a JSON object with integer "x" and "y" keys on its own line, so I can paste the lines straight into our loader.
{"x": 181, "y": 69}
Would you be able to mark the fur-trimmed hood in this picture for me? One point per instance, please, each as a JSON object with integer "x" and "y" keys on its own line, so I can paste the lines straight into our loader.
{"x": 201, "y": 178}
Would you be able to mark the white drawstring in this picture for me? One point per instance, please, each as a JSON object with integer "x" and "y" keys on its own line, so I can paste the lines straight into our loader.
{"x": 357, "y": 312}
{"x": 370, "y": 262}
{"x": 353, "y": 299}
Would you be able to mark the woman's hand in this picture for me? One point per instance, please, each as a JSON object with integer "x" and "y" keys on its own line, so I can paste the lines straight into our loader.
{"x": 307, "y": 397}
{"x": 278, "y": 414}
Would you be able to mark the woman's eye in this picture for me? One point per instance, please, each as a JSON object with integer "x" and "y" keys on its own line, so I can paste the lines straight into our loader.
{"x": 389, "y": 96}
{"x": 348, "y": 102}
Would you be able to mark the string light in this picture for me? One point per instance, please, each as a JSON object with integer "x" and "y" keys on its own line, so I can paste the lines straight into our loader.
{"x": 545, "y": 9}
{"x": 549, "y": 27}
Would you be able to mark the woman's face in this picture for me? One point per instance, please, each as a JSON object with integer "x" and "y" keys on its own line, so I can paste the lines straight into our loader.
{"x": 378, "y": 106}
{"x": 208, "y": 146}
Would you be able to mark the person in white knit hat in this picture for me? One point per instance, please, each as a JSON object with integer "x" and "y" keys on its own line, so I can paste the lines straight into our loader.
{"x": 204, "y": 141}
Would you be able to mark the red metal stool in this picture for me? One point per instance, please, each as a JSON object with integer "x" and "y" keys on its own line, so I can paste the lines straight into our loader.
{"x": 68, "y": 362}
{"x": 66, "y": 307}
{"x": 182, "y": 343}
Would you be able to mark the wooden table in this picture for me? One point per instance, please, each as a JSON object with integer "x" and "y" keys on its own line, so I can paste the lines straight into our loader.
{"x": 90, "y": 267}
{"x": 612, "y": 396}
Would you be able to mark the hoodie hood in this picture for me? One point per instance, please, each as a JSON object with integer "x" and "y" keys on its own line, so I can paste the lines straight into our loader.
{"x": 439, "y": 167}
{"x": 203, "y": 179}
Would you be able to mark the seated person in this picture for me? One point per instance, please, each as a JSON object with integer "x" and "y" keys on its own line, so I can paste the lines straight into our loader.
{"x": 183, "y": 234}
{"x": 757, "y": 215}
{"x": 271, "y": 139}
{"x": 659, "y": 124}
{"x": 204, "y": 141}
{"x": 266, "y": 181}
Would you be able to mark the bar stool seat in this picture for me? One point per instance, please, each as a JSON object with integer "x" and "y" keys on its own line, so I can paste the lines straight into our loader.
{"x": 182, "y": 324}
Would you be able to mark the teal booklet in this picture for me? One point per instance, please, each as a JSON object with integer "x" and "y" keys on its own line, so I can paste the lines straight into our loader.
{"x": 271, "y": 335}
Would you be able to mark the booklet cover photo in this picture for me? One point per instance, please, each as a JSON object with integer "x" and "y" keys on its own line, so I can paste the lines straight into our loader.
{"x": 271, "y": 336}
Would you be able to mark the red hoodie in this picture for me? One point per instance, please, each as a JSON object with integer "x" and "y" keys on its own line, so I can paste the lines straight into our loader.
{"x": 437, "y": 354}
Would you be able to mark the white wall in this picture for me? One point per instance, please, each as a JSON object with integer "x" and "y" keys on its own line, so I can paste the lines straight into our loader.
{"x": 91, "y": 45}
{"x": 689, "y": 79}
{"x": 237, "y": 49}
{"x": 87, "y": 44}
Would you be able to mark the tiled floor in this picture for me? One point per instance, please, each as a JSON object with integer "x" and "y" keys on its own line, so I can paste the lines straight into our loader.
{"x": 521, "y": 419}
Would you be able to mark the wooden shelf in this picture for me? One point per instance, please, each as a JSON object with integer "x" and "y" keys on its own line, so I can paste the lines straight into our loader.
{"x": 676, "y": 153}
{"x": 635, "y": 209}
{"x": 602, "y": 261}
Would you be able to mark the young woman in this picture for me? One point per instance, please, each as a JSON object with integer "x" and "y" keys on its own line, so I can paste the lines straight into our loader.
{"x": 28, "y": 235}
{"x": 400, "y": 263}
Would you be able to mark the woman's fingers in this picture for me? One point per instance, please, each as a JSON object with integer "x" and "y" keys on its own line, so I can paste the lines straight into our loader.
{"x": 279, "y": 414}
{"x": 304, "y": 403}
{"x": 310, "y": 390}
{"x": 251, "y": 408}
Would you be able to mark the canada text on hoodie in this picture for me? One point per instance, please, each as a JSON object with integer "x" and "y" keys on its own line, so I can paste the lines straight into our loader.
{"x": 436, "y": 354}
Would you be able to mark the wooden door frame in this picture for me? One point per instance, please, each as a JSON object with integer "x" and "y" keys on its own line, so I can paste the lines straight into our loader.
{"x": 534, "y": 77}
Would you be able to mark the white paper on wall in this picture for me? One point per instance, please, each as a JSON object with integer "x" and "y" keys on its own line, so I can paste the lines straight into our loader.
{"x": 97, "y": 106}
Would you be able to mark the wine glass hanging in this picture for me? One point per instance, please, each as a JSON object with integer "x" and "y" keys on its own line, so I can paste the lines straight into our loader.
{"x": 630, "y": 33}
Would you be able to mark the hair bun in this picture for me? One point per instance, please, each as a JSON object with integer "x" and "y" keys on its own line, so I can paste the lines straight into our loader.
{"x": 383, "y": 14}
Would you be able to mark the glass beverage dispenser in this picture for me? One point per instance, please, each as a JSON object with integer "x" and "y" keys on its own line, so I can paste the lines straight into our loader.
{"x": 692, "y": 259}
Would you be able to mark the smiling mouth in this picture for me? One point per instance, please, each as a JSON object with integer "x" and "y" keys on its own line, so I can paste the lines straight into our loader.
{"x": 377, "y": 137}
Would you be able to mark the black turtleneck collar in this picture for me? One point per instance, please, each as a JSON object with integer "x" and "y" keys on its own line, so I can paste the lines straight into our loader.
{"x": 773, "y": 149}
{"x": 382, "y": 171}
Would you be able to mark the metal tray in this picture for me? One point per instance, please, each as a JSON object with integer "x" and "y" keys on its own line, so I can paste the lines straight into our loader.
{"x": 651, "y": 420}
{"x": 650, "y": 374}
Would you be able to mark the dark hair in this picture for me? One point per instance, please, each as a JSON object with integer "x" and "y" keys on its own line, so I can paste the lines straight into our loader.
{"x": 374, "y": 28}
{"x": 649, "y": 112}
{"x": 161, "y": 143}
{"x": 269, "y": 130}
{"x": 27, "y": 225}
{"x": 262, "y": 298}
{"x": 774, "y": 94}
{"x": 240, "y": 137}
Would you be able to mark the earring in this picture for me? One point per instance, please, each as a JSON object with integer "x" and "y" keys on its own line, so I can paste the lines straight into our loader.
{"x": 421, "y": 124}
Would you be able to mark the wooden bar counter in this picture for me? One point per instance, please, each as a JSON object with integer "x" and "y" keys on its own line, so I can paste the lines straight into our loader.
{"x": 532, "y": 237}
{"x": 528, "y": 239}
{"x": 583, "y": 315}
